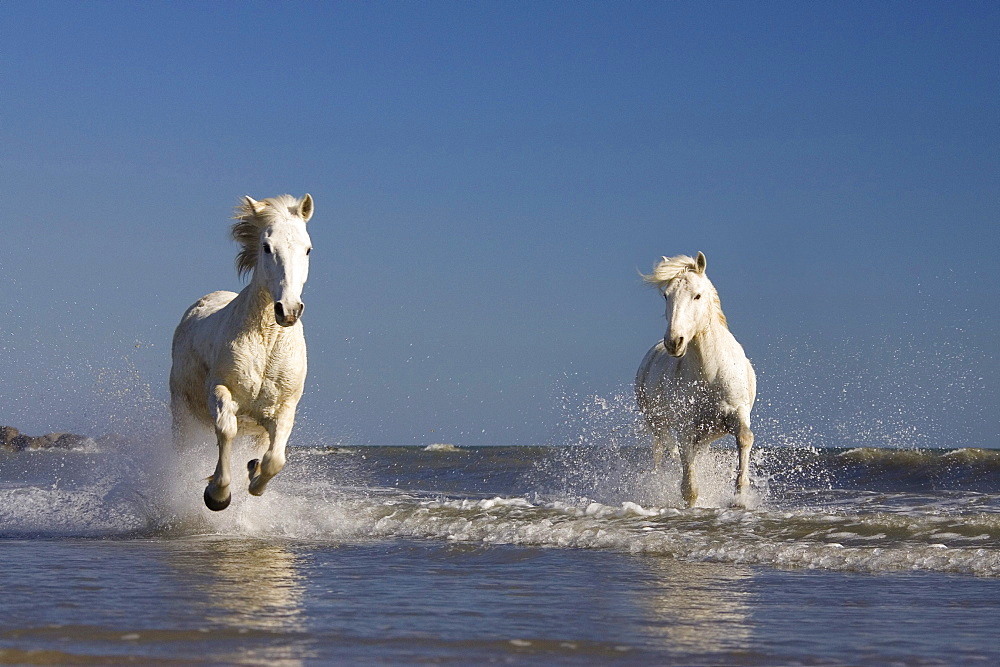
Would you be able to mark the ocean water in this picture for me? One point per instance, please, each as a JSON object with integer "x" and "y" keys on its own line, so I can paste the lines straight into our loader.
{"x": 525, "y": 555}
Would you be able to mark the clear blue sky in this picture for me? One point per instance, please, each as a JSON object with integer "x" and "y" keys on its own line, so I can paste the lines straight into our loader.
{"x": 488, "y": 178}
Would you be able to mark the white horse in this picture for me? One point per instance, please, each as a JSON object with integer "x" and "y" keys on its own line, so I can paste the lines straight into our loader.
{"x": 239, "y": 360}
{"x": 696, "y": 385}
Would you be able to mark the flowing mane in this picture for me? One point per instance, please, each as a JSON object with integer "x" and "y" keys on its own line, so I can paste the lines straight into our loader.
{"x": 670, "y": 268}
{"x": 251, "y": 217}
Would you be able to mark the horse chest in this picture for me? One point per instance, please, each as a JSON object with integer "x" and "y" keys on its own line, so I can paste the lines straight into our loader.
{"x": 265, "y": 374}
{"x": 693, "y": 395}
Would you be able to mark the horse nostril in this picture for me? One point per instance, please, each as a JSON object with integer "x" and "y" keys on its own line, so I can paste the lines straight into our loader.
{"x": 287, "y": 316}
{"x": 675, "y": 345}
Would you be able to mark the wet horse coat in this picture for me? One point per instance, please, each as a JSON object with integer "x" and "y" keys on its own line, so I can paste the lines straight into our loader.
{"x": 696, "y": 384}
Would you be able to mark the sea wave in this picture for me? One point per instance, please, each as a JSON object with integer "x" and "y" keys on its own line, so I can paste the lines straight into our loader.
{"x": 848, "y": 541}
{"x": 861, "y": 509}
{"x": 888, "y": 469}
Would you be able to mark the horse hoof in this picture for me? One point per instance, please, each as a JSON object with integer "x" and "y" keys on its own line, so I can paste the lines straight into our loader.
{"x": 216, "y": 505}
{"x": 256, "y": 485}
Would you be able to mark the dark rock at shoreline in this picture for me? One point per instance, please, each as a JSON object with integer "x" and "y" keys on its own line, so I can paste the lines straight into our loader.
{"x": 13, "y": 440}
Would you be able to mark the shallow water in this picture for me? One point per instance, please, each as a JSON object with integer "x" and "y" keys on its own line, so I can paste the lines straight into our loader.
{"x": 519, "y": 554}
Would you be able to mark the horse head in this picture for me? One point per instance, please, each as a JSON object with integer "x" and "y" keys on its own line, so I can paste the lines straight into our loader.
{"x": 688, "y": 297}
{"x": 278, "y": 252}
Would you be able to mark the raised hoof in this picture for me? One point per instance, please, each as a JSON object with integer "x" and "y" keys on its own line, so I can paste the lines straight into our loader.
{"x": 216, "y": 505}
{"x": 253, "y": 468}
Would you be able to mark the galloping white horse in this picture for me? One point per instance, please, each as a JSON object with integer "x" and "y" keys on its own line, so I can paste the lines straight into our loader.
{"x": 696, "y": 385}
{"x": 239, "y": 360}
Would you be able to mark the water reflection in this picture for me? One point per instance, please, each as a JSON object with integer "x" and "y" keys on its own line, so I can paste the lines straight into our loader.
{"x": 699, "y": 608}
{"x": 256, "y": 585}
{"x": 254, "y": 589}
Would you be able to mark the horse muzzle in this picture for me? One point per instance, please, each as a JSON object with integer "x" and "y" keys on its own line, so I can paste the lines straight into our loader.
{"x": 675, "y": 347}
{"x": 286, "y": 317}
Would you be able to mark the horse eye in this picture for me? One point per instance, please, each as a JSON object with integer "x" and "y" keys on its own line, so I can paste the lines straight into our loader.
{"x": 267, "y": 248}
{"x": 697, "y": 296}
{"x": 308, "y": 250}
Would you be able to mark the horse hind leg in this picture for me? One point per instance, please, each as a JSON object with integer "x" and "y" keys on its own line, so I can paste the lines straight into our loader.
{"x": 217, "y": 493}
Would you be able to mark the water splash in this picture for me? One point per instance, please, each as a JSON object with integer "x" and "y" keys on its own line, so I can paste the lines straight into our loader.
{"x": 881, "y": 392}
{"x": 604, "y": 453}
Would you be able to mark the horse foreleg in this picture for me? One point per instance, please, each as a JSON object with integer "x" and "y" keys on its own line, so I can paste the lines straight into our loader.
{"x": 664, "y": 440}
{"x": 689, "y": 486}
{"x": 744, "y": 440}
{"x": 217, "y": 494}
{"x": 263, "y": 469}
{"x": 657, "y": 451}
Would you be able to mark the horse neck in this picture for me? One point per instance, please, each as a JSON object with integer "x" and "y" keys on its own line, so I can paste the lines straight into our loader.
{"x": 254, "y": 310}
{"x": 712, "y": 345}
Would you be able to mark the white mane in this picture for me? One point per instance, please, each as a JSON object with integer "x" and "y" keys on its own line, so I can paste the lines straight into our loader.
{"x": 669, "y": 269}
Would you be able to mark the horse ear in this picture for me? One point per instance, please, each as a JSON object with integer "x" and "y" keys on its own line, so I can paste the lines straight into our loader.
{"x": 253, "y": 204}
{"x": 306, "y": 207}
{"x": 701, "y": 262}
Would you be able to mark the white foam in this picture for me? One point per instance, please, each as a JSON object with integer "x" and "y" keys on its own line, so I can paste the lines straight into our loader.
{"x": 441, "y": 447}
{"x": 143, "y": 491}
{"x": 54, "y": 511}
{"x": 321, "y": 512}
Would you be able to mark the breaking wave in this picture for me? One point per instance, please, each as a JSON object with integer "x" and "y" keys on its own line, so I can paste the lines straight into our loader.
{"x": 865, "y": 509}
